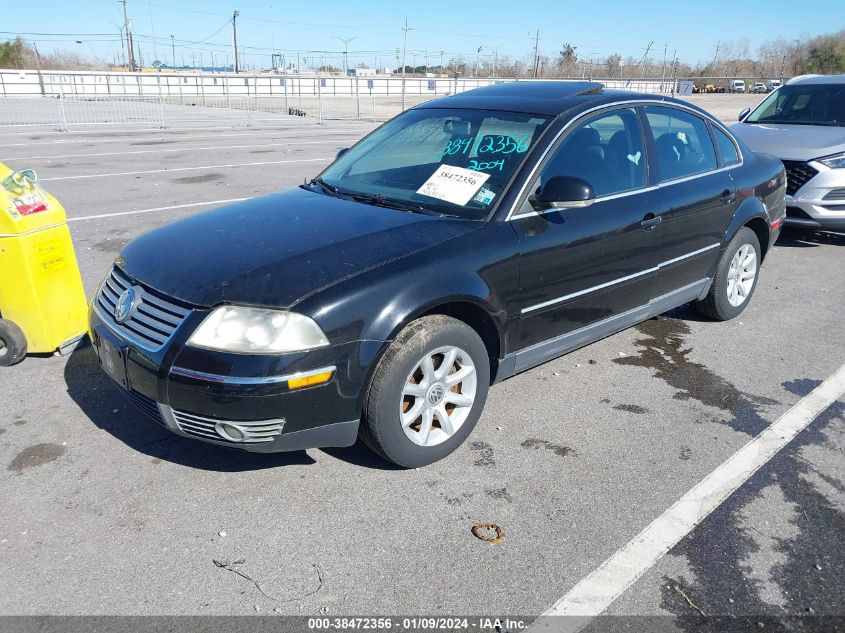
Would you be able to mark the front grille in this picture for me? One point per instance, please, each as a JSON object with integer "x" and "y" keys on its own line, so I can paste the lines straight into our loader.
{"x": 836, "y": 194}
{"x": 254, "y": 431}
{"x": 152, "y": 320}
{"x": 797, "y": 175}
{"x": 145, "y": 405}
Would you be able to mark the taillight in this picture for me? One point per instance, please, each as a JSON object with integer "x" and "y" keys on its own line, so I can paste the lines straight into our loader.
{"x": 776, "y": 224}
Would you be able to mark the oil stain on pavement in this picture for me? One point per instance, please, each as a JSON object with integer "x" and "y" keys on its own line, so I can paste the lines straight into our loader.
{"x": 483, "y": 452}
{"x": 557, "y": 449}
{"x": 193, "y": 180}
{"x": 665, "y": 351}
{"x": 37, "y": 455}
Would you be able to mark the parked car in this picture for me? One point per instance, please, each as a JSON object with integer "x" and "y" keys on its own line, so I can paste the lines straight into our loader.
{"x": 759, "y": 88}
{"x": 468, "y": 239}
{"x": 736, "y": 85}
{"x": 773, "y": 84}
{"x": 803, "y": 124}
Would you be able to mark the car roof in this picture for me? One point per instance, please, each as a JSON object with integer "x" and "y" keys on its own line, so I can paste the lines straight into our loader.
{"x": 542, "y": 97}
{"x": 532, "y": 97}
{"x": 817, "y": 79}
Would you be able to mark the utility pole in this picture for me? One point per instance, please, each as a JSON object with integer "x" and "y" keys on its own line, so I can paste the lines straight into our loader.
{"x": 536, "y": 52}
{"x": 663, "y": 77}
{"x": 406, "y": 28}
{"x": 128, "y": 26}
{"x": 718, "y": 46}
{"x": 173, "y": 50}
{"x": 441, "y": 62}
{"x": 235, "y": 39}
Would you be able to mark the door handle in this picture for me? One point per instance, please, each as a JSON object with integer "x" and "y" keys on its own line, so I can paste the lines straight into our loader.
{"x": 650, "y": 221}
{"x": 727, "y": 196}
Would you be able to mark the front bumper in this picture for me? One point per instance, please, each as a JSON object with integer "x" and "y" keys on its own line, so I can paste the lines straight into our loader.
{"x": 818, "y": 204}
{"x": 236, "y": 400}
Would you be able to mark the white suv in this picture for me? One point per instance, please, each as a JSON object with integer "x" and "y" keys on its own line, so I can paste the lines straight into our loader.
{"x": 803, "y": 124}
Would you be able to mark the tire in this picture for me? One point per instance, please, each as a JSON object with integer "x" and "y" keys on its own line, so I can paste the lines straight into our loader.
{"x": 12, "y": 343}
{"x": 387, "y": 427}
{"x": 730, "y": 291}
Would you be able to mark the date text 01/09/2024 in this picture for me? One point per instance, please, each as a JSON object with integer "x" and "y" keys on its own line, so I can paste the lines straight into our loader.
{"x": 417, "y": 623}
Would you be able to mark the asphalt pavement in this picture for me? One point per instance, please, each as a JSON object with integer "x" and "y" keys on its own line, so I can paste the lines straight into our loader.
{"x": 106, "y": 513}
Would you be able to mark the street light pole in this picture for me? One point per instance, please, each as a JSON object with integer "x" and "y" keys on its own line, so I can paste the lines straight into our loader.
{"x": 173, "y": 50}
{"x": 345, "y": 51}
{"x": 235, "y": 39}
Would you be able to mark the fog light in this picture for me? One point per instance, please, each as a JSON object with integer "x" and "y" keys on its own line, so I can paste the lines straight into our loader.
{"x": 229, "y": 432}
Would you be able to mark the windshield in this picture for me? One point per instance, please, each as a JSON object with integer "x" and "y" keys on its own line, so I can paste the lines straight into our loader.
{"x": 819, "y": 104}
{"x": 446, "y": 161}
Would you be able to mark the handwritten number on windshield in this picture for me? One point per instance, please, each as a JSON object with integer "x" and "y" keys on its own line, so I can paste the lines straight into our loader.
{"x": 488, "y": 144}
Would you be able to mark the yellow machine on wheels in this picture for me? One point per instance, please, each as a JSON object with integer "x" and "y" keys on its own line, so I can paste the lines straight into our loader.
{"x": 42, "y": 301}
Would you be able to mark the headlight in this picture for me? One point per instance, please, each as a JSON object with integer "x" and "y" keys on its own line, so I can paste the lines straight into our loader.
{"x": 257, "y": 331}
{"x": 837, "y": 161}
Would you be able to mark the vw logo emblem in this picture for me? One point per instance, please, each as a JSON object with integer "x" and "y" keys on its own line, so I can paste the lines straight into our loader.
{"x": 125, "y": 303}
{"x": 435, "y": 394}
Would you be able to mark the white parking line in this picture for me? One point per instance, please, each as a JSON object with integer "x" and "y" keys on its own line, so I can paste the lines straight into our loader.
{"x": 178, "y": 149}
{"x": 175, "y": 169}
{"x": 597, "y": 591}
{"x": 154, "y": 209}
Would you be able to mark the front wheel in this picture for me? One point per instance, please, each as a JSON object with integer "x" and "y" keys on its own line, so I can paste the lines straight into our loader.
{"x": 736, "y": 277}
{"x": 427, "y": 392}
{"x": 12, "y": 343}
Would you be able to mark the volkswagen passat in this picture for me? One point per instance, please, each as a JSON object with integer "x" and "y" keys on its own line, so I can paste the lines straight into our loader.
{"x": 468, "y": 239}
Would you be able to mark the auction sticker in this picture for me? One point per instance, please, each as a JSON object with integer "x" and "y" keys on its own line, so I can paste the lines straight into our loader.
{"x": 453, "y": 184}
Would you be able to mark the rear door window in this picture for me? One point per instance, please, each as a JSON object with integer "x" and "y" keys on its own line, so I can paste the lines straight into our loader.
{"x": 682, "y": 142}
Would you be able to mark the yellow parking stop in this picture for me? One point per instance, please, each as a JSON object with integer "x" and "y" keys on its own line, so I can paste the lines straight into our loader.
{"x": 42, "y": 300}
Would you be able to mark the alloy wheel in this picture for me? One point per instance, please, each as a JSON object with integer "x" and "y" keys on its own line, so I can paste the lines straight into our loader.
{"x": 438, "y": 396}
{"x": 741, "y": 274}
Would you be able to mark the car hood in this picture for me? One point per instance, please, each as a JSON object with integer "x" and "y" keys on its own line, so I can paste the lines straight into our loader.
{"x": 791, "y": 142}
{"x": 275, "y": 250}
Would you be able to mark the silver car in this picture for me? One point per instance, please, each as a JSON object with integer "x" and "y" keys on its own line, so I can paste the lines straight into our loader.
{"x": 803, "y": 124}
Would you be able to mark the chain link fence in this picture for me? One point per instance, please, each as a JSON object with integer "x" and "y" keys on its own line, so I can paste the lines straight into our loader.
{"x": 76, "y": 100}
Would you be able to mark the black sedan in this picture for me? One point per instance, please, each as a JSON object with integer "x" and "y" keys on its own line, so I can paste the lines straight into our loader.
{"x": 468, "y": 239}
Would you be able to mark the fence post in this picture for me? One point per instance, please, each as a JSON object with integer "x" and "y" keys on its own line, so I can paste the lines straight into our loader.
{"x": 373, "y": 99}
{"x": 161, "y": 112}
{"x": 226, "y": 86}
{"x": 320, "y": 97}
{"x": 62, "y": 117}
{"x": 357, "y": 101}
{"x": 285, "y": 81}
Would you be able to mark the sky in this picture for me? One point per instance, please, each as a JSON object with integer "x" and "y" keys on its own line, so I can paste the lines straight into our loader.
{"x": 305, "y": 28}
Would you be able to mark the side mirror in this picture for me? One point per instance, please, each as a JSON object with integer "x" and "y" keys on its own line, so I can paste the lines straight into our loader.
{"x": 341, "y": 152}
{"x": 563, "y": 192}
{"x": 744, "y": 114}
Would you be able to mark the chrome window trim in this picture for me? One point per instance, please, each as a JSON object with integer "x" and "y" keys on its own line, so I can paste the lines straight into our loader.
{"x": 513, "y": 213}
{"x": 613, "y": 282}
{"x": 243, "y": 380}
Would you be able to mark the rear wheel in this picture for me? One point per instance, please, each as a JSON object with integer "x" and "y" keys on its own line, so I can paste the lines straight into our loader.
{"x": 736, "y": 277}
{"x": 12, "y": 343}
{"x": 427, "y": 393}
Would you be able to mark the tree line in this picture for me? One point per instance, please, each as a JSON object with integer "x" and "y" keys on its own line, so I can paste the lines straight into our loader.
{"x": 774, "y": 58}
